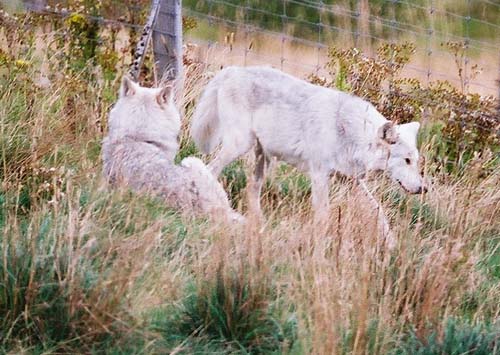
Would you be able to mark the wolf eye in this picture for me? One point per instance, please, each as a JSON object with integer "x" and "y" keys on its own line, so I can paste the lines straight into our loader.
{"x": 408, "y": 161}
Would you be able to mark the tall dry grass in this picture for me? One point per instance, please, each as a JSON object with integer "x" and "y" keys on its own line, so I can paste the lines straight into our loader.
{"x": 87, "y": 269}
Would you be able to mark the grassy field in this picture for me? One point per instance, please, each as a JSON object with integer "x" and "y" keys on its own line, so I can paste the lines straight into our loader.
{"x": 86, "y": 269}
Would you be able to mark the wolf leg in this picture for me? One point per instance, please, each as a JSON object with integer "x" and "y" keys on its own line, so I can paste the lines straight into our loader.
{"x": 230, "y": 151}
{"x": 382, "y": 221}
{"x": 320, "y": 196}
{"x": 256, "y": 181}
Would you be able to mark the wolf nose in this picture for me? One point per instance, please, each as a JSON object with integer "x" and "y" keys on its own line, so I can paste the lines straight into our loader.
{"x": 422, "y": 190}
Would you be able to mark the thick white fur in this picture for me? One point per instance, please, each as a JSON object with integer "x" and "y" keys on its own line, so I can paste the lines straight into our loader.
{"x": 319, "y": 130}
{"x": 139, "y": 152}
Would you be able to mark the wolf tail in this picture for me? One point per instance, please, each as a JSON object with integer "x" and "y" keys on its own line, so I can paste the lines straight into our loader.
{"x": 205, "y": 125}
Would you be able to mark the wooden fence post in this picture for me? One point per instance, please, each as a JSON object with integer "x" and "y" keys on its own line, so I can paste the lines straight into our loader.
{"x": 167, "y": 40}
{"x": 498, "y": 98}
{"x": 36, "y": 5}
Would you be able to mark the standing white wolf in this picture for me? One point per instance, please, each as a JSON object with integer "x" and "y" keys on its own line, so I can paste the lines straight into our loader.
{"x": 316, "y": 129}
{"x": 140, "y": 147}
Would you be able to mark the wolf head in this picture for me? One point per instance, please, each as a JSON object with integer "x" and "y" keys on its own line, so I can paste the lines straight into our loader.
{"x": 144, "y": 113}
{"x": 402, "y": 164}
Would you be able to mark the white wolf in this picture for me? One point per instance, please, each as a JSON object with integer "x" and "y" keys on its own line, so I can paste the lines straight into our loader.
{"x": 140, "y": 147}
{"x": 319, "y": 130}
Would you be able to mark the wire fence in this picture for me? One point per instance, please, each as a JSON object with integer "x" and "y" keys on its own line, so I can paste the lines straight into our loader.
{"x": 295, "y": 35}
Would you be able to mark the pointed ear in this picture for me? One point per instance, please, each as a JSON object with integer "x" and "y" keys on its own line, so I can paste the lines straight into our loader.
{"x": 128, "y": 87}
{"x": 387, "y": 133}
{"x": 164, "y": 95}
{"x": 409, "y": 131}
{"x": 411, "y": 128}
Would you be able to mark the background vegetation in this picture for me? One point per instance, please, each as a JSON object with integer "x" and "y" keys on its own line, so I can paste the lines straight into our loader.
{"x": 85, "y": 269}
{"x": 306, "y": 18}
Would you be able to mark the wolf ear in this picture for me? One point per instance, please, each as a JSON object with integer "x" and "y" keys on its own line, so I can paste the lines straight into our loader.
{"x": 165, "y": 94}
{"x": 411, "y": 127}
{"x": 387, "y": 132}
{"x": 128, "y": 87}
{"x": 409, "y": 131}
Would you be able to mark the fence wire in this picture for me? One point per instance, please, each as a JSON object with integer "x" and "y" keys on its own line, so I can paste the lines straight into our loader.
{"x": 298, "y": 34}
{"x": 294, "y": 35}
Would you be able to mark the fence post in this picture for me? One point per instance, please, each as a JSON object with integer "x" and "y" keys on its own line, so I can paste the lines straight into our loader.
{"x": 363, "y": 25}
{"x": 167, "y": 40}
{"x": 35, "y": 5}
{"x": 498, "y": 83}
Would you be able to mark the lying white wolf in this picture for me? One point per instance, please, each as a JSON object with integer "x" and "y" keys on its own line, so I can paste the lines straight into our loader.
{"x": 140, "y": 147}
{"x": 318, "y": 130}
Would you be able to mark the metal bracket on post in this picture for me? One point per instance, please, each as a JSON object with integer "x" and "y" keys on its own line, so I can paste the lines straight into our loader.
{"x": 142, "y": 45}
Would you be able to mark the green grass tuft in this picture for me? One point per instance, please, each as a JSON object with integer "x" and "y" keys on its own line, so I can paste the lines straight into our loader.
{"x": 224, "y": 315}
{"x": 458, "y": 338}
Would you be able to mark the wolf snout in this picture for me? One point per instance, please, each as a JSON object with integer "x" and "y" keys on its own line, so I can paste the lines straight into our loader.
{"x": 421, "y": 190}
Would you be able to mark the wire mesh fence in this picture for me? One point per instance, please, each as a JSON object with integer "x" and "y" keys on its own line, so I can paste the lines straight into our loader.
{"x": 295, "y": 35}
